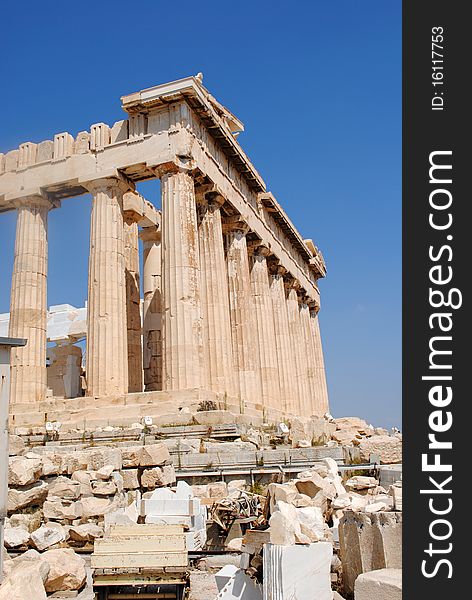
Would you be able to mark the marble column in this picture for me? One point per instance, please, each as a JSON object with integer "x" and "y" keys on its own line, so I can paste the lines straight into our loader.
{"x": 28, "y": 306}
{"x": 301, "y": 400}
{"x": 321, "y": 399}
{"x": 152, "y": 309}
{"x": 285, "y": 358}
{"x": 308, "y": 350}
{"x": 133, "y": 307}
{"x": 217, "y": 350}
{"x": 262, "y": 301}
{"x": 243, "y": 334}
{"x": 107, "y": 348}
{"x": 182, "y": 323}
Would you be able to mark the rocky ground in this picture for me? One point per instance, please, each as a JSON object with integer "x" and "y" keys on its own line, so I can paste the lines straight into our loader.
{"x": 60, "y": 497}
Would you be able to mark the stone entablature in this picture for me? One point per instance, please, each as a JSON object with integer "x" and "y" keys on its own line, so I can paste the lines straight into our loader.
{"x": 173, "y": 133}
{"x": 227, "y": 277}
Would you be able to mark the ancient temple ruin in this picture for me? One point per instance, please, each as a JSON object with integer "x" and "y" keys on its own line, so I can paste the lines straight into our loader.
{"x": 229, "y": 314}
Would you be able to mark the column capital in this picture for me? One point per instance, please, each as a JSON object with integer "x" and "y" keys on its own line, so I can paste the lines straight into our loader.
{"x": 36, "y": 201}
{"x": 258, "y": 248}
{"x": 235, "y": 223}
{"x": 275, "y": 269}
{"x": 208, "y": 195}
{"x": 108, "y": 183}
{"x": 150, "y": 234}
{"x": 181, "y": 164}
{"x": 292, "y": 284}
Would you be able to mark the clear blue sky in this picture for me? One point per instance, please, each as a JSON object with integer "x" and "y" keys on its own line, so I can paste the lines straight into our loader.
{"x": 318, "y": 86}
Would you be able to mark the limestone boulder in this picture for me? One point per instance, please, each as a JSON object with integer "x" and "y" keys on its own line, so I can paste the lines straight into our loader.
{"x": 352, "y": 423}
{"x": 25, "y": 581}
{"x": 380, "y": 431}
{"x": 388, "y": 448}
{"x": 54, "y": 463}
{"x": 16, "y": 445}
{"x": 105, "y": 472}
{"x": 358, "y": 501}
{"x": 153, "y": 455}
{"x": 374, "y": 507}
{"x": 95, "y": 507}
{"x": 312, "y": 485}
{"x": 57, "y": 509}
{"x": 15, "y": 537}
{"x": 284, "y": 526}
{"x": 48, "y": 535}
{"x": 87, "y": 532}
{"x": 63, "y": 487}
{"x": 312, "y": 523}
{"x": 75, "y": 461}
{"x": 346, "y": 437}
{"x": 319, "y": 468}
{"x": 158, "y": 476}
{"x": 29, "y": 495}
{"x": 84, "y": 479}
{"x": 103, "y": 488}
{"x": 29, "y": 521}
{"x": 382, "y": 584}
{"x": 66, "y": 570}
{"x": 322, "y": 501}
{"x": 130, "y": 479}
{"x": 29, "y": 555}
{"x": 23, "y": 471}
{"x": 103, "y": 457}
{"x": 7, "y": 561}
{"x": 360, "y": 482}
{"x": 130, "y": 456}
{"x": 213, "y": 417}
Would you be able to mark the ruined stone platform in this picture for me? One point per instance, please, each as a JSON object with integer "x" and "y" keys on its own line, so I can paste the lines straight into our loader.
{"x": 165, "y": 407}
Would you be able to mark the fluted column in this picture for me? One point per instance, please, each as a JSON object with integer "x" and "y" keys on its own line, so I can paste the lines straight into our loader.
{"x": 309, "y": 362}
{"x": 265, "y": 329}
{"x": 152, "y": 309}
{"x": 285, "y": 358}
{"x": 321, "y": 399}
{"x": 243, "y": 334}
{"x": 217, "y": 350}
{"x": 300, "y": 406}
{"x": 182, "y": 323}
{"x": 107, "y": 348}
{"x": 133, "y": 307}
{"x": 28, "y": 306}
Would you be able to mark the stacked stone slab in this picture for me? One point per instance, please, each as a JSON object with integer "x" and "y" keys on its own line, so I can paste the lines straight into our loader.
{"x": 165, "y": 507}
{"x": 230, "y": 287}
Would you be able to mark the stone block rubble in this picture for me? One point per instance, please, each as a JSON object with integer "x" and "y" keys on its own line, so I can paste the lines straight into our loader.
{"x": 370, "y": 442}
{"x": 64, "y": 498}
{"x": 32, "y": 575}
{"x": 165, "y": 507}
{"x": 342, "y": 522}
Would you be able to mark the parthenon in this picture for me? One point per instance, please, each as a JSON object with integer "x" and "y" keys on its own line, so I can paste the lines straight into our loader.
{"x": 229, "y": 310}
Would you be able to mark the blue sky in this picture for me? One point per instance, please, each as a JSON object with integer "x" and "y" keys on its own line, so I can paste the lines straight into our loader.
{"x": 318, "y": 87}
